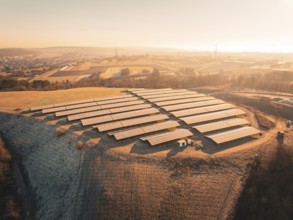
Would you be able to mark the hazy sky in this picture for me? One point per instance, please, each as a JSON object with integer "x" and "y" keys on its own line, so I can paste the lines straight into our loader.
{"x": 235, "y": 25}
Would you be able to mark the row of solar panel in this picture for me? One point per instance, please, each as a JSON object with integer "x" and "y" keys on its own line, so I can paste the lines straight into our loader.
{"x": 79, "y": 102}
{"x": 159, "y": 95}
{"x": 130, "y": 122}
{"x": 196, "y": 111}
{"x": 212, "y": 116}
{"x": 98, "y": 107}
{"x": 234, "y": 134}
{"x": 70, "y": 107}
{"x": 119, "y": 116}
{"x": 145, "y": 129}
{"x": 152, "y": 91}
{"x": 107, "y": 112}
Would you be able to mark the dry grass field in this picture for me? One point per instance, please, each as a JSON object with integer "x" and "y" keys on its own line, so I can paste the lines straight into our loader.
{"x": 10, "y": 101}
{"x": 115, "y": 71}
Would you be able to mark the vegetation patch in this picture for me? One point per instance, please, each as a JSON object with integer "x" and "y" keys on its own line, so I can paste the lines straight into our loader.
{"x": 9, "y": 201}
{"x": 268, "y": 191}
{"x": 264, "y": 122}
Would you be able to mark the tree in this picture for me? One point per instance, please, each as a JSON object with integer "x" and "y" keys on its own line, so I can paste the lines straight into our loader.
{"x": 125, "y": 72}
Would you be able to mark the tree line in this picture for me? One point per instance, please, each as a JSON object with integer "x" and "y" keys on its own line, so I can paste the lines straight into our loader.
{"x": 186, "y": 78}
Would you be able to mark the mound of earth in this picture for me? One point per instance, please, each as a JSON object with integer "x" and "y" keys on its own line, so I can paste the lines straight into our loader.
{"x": 64, "y": 182}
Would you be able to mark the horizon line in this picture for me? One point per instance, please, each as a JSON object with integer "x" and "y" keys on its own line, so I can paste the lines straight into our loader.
{"x": 160, "y": 48}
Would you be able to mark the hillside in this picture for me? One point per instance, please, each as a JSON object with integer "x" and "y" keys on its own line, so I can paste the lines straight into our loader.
{"x": 17, "y": 52}
{"x": 100, "y": 183}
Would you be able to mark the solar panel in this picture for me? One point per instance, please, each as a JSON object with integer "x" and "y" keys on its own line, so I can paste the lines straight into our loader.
{"x": 87, "y": 115}
{"x": 214, "y": 108}
{"x": 152, "y": 91}
{"x": 119, "y": 116}
{"x": 109, "y": 126}
{"x": 212, "y": 116}
{"x": 41, "y": 107}
{"x": 73, "y": 103}
{"x": 145, "y": 130}
{"x": 81, "y": 105}
{"x": 107, "y": 111}
{"x": 134, "y": 89}
{"x": 113, "y": 98}
{"x": 116, "y": 105}
{"x": 170, "y": 136}
{"x": 169, "y": 95}
{"x": 234, "y": 134}
{"x": 193, "y": 105}
{"x": 64, "y": 108}
{"x": 176, "y": 97}
{"x": 130, "y": 122}
{"x": 76, "y": 111}
{"x": 175, "y": 92}
{"x": 182, "y": 101}
{"x": 50, "y": 110}
{"x": 129, "y": 108}
{"x": 215, "y": 126}
{"x": 201, "y": 110}
{"x": 116, "y": 101}
{"x": 160, "y": 126}
{"x": 127, "y": 134}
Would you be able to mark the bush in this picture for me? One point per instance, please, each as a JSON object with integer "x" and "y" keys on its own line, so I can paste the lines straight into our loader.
{"x": 80, "y": 145}
{"x": 60, "y": 131}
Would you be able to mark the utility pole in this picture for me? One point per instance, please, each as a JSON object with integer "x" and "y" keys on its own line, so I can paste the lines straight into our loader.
{"x": 216, "y": 50}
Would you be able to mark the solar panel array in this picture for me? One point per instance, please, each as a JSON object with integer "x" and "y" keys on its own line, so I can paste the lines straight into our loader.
{"x": 129, "y": 116}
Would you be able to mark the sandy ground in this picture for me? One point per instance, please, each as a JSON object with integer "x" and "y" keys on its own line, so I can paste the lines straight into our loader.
{"x": 9, "y": 101}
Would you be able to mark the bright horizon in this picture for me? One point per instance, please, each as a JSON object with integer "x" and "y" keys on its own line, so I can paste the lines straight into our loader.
{"x": 195, "y": 25}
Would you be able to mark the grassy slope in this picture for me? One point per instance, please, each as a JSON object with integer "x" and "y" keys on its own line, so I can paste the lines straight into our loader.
{"x": 9, "y": 101}
{"x": 9, "y": 206}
